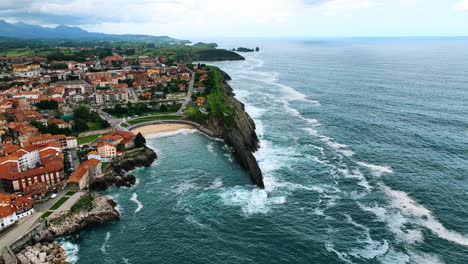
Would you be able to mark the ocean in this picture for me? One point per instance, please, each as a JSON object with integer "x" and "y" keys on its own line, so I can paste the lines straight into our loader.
{"x": 364, "y": 147}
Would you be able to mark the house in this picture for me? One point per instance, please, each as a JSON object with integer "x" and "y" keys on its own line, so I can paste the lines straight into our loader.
{"x": 201, "y": 100}
{"x": 85, "y": 173}
{"x": 119, "y": 137}
{"x": 16, "y": 181}
{"x": 79, "y": 179}
{"x": 59, "y": 122}
{"x": 94, "y": 155}
{"x": 13, "y": 208}
{"x": 107, "y": 150}
{"x": 111, "y": 96}
{"x": 79, "y": 86}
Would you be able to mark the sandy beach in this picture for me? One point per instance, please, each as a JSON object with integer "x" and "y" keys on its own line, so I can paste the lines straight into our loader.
{"x": 160, "y": 128}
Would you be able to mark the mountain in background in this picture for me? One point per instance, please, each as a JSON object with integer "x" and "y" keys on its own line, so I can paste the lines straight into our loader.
{"x": 26, "y": 31}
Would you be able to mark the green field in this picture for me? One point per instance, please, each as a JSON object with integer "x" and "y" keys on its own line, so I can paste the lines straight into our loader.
{"x": 88, "y": 139}
{"x": 46, "y": 214}
{"x": 70, "y": 193}
{"x": 104, "y": 165}
{"x": 153, "y": 118}
{"x": 59, "y": 203}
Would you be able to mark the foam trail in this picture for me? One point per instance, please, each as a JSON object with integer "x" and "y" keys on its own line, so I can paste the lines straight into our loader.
{"x": 377, "y": 170}
{"x": 139, "y": 204}
{"x": 288, "y": 90}
{"x": 422, "y": 216}
{"x": 104, "y": 245}
{"x": 210, "y": 148}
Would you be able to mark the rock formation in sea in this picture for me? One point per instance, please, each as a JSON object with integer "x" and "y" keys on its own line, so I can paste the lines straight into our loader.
{"x": 91, "y": 209}
{"x": 117, "y": 171}
{"x": 238, "y": 133}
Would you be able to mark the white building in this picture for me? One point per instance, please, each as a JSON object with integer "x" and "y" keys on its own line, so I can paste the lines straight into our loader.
{"x": 28, "y": 159}
{"x": 72, "y": 142}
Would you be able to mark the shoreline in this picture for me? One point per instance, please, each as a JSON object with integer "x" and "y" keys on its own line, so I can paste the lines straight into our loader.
{"x": 160, "y": 128}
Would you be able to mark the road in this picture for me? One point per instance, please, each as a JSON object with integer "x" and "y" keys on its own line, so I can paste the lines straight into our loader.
{"x": 188, "y": 99}
{"x": 25, "y": 224}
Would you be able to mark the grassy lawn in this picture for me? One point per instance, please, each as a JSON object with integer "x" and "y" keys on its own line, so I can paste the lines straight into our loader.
{"x": 88, "y": 139}
{"x": 59, "y": 203}
{"x": 70, "y": 193}
{"x": 45, "y": 215}
{"x": 104, "y": 165}
{"x": 153, "y": 118}
{"x": 124, "y": 125}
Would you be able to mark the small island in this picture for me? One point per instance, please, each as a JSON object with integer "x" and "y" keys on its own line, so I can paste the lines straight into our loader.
{"x": 243, "y": 49}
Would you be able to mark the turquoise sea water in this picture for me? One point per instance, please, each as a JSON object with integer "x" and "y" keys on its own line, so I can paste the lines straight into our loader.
{"x": 364, "y": 149}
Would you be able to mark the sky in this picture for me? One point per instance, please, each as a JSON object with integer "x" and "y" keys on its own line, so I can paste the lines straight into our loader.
{"x": 248, "y": 18}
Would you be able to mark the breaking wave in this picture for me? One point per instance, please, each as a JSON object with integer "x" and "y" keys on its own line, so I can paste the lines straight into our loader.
{"x": 134, "y": 199}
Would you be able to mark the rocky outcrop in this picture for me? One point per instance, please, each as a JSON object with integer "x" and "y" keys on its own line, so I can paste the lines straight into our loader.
{"x": 43, "y": 253}
{"x": 238, "y": 133}
{"x": 142, "y": 157}
{"x": 91, "y": 209}
{"x": 116, "y": 174}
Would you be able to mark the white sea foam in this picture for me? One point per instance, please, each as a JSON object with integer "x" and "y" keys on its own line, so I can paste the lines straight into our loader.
{"x": 183, "y": 131}
{"x": 216, "y": 184}
{"x": 418, "y": 214}
{"x": 125, "y": 260}
{"x": 251, "y": 201}
{"x": 393, "y": 257}
{"x": 343, "y": 256}
{"x": 424, "y": 258}
{"x": 372, "y": 248}
{"x": 210, "y": 147}
{"x": 185, "y": 186}
{"x": 71, "y": 250}
{"x": 377, "y": 170}
{"x": 356, "y": 174}
{"x": 396, "y": 222}
{"x": 138, "y": 203}
{"x": 105, "y": 245}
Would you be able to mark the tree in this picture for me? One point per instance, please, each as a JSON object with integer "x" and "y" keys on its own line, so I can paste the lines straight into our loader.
{"x": 80, "y": 125}
{"x": 81, "y": 112}
{"x": 140, "y": 141}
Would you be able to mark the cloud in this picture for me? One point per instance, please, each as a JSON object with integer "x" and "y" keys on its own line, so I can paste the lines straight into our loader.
{"x": 461, "y": 6}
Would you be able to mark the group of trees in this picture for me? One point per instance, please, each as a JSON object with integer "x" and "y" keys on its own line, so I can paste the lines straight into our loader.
{"x": 83, "y": 117}
{"x": 51, "y": 129}
{"x": 139, "y": 109}
{"x": 47, "y": 105}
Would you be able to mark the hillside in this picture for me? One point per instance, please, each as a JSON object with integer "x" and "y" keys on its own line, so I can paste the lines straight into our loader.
{"x": 26, "y": 31}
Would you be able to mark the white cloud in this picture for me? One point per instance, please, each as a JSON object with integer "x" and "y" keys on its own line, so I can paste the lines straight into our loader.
{"x": 346, "y": 4}
{"x": 461, "y": 6}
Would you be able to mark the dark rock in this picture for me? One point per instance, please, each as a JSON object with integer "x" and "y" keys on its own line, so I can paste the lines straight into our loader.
{"x": 240, "y": 135}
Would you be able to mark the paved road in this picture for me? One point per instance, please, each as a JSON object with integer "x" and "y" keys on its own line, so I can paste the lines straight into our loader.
{"x": 188, "y": 99}
{"x": 25, "y": 224}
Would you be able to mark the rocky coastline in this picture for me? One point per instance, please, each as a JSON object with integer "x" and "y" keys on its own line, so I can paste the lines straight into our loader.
{"x": 117, "y": 171}
{"x": 43, "y": 253}
{"x": 90, "y": 209}
{"x": 240, "y": 134}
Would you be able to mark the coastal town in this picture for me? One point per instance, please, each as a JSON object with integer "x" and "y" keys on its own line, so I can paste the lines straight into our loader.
{"x": 63, "y": 123}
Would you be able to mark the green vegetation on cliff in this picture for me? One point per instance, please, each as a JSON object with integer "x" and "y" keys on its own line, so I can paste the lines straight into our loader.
{"x": 217, "y": 100}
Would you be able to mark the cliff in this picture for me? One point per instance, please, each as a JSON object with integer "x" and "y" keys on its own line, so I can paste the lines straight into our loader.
{"x": 236, "y": 127}
{"x": 116, "y": 173}
{"x": 214, "y": 55}
{"x": 91, "y": 209}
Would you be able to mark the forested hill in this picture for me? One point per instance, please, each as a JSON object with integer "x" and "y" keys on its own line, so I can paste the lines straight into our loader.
{"x": 26, "y": 31}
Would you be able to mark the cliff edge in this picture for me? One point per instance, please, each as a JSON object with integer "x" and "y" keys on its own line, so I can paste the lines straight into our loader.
{"x": 229, "y": 120}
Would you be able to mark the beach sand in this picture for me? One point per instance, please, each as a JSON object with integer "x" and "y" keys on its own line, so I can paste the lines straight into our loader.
{"x": 159, "y": 128}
